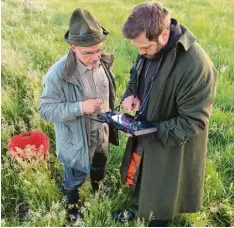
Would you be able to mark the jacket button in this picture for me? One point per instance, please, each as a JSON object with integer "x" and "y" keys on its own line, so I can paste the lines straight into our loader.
{"x": 75, "y": 109}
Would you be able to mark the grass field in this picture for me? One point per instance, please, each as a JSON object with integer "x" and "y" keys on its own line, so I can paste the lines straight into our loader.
{"x": 32, "y": 40}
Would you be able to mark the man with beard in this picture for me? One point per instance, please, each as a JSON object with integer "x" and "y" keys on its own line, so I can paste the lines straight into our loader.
{"x": 175, "y": 89}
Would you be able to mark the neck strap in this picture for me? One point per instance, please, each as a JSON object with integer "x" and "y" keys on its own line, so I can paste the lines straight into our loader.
{"x": 132, "y": 79}
{"x": 146, "y": 99}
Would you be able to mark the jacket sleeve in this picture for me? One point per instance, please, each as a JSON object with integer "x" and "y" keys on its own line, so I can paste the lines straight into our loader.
{"x": 53, "y": 106}
{"x": 194, "y": 99}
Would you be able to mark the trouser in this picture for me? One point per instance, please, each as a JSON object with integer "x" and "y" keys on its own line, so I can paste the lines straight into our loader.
{"x": 98, "y": 150}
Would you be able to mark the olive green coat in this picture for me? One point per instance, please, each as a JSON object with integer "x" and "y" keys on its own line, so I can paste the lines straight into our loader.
{"x": 181, "y": 103}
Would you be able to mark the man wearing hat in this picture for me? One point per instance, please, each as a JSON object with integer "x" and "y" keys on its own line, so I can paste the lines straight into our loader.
{"x": 80, "y": 85}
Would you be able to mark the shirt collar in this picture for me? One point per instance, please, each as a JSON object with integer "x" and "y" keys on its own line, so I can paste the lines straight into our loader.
{"x": 81, "y": 68}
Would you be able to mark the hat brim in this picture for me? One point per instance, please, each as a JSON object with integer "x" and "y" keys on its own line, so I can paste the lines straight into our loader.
{"x": 87, "y": 41}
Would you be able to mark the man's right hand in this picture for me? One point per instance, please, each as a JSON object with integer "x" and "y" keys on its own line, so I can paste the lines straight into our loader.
{"x": 90, "y": 106}
{"x": 131, "y": 103}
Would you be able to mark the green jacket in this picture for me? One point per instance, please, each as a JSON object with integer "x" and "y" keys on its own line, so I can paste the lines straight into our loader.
{"x": 181, "y": 103}
{"x": 59, "y": 104}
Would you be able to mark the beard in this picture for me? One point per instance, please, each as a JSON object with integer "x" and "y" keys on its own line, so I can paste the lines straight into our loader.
{"x": 149, "y": 56}
{"x": 154, "y": 52}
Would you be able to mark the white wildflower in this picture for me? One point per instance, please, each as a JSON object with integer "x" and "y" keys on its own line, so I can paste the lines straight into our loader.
{"x": 223, "y": 68}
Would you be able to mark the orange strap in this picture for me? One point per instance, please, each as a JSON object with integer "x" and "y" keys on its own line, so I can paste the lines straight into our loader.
{"x": 132, "y": 168}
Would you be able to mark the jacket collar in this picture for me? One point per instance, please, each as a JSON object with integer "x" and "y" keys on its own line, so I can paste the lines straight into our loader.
{"x": 81, "y": 68}
{"x": 187, "y": 38}
{"x": 185, "y": 41}
{"x": 179, "y": 35}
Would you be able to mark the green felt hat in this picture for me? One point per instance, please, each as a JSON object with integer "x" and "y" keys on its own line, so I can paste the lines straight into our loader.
{"x": 84, "y": 29}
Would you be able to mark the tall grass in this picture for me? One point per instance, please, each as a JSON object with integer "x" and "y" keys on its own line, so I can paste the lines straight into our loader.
{"x": 32, "y": 40}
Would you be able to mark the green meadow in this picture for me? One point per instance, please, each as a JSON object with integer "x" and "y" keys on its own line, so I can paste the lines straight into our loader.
{"x": 32, "y": 40}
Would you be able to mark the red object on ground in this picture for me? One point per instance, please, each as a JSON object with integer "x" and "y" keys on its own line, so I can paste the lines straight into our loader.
{"x": 35, "y": 139}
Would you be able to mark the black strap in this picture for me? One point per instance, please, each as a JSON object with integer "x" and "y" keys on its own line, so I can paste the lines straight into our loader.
{"x": 146, "y": 99}
{"x": 95, "y": 119}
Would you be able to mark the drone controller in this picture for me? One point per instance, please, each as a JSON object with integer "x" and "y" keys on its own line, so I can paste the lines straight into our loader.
{"x": 127, "y": 123}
